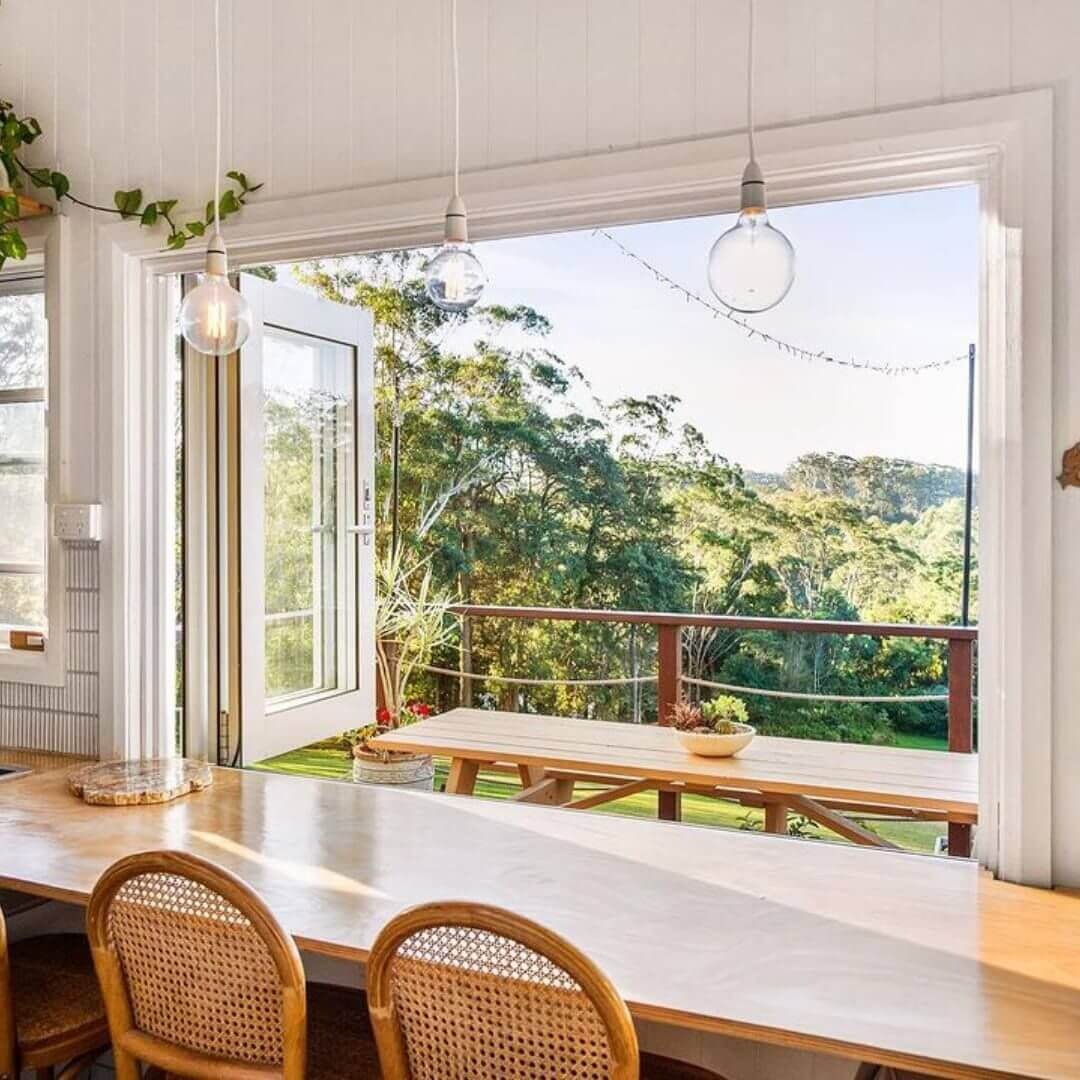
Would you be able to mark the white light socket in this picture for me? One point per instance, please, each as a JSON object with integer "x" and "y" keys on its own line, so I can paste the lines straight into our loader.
{"x": 77, "y": 521}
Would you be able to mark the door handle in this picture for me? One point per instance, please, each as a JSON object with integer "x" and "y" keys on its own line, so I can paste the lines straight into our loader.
{"x": 366, "y": 531}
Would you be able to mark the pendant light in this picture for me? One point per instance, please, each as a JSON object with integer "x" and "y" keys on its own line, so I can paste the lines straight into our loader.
{"x": 752, "y": 265}
{"x": 454, "y": 277}
{"x": 214, "y": 318}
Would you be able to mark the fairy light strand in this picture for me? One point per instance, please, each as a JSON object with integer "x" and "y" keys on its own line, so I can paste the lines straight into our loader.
{"x": 719, "y": 311}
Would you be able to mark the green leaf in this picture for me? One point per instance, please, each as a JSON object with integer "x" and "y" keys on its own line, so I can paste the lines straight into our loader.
{"x": 229, "y": 203}
{"x": 12, "y": 245}
{"x": 197, "y": 228}
{"x": 11, "y": 133}
{"x": 9, "y": 204}
{"x": 209, "y": 215}
{"x": 149, "y": 215}
{"x": 31, "y": 129}
{"x": 165, "y": 206}
{"x": 128, "y": 202}
{"x": 176, "y": 241}
{"x": 60, "y": 184}
{"x": 41, "y": 177}
{"x": 239, "y": 177}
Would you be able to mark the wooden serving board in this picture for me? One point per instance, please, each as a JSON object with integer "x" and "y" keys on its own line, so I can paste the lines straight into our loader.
{"x": 139, "y": 782}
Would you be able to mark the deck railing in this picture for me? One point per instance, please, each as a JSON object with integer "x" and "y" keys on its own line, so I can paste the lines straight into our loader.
{"x": 670, "y": 678}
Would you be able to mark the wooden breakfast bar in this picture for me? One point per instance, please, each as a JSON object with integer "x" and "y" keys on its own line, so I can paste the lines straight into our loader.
{"x": 903, "y": 959}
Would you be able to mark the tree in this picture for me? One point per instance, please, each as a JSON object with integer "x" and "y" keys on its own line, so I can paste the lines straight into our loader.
{"x": 490, "y": 473}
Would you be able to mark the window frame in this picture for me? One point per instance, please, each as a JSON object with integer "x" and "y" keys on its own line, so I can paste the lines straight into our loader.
{"x": 1004, "y": 144}
{"x": 47, "y": 242}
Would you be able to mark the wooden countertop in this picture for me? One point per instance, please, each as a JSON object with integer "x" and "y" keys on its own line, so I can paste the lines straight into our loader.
{"x": 903, "y": 959}
{"x": 38, "y": 760}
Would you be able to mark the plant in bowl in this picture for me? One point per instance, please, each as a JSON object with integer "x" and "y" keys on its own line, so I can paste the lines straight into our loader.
{"x": 715, "y": 728}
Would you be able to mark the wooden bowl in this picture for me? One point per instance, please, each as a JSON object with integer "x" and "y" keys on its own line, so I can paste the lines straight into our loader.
{"x": 705, "y": 745}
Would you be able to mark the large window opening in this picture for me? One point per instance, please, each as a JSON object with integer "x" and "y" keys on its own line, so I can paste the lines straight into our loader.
{"x": 597, "y": 436}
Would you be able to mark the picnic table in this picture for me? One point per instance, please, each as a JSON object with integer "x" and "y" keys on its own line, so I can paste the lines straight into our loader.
{"x": 822, "y": 781}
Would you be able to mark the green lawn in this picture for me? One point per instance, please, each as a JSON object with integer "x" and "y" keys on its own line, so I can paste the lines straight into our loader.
{"x": 921, "y": 742}
{"x": 697, "y": 809}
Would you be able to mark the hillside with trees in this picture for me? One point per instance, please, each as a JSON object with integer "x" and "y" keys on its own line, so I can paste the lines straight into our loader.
{"x": 517, "y": 495}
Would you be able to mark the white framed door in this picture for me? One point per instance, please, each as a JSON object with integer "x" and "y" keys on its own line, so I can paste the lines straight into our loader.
{"x": 306, "y": 517}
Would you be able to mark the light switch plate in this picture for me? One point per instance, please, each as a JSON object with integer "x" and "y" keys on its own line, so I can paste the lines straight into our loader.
{"x": 77, "y": 521}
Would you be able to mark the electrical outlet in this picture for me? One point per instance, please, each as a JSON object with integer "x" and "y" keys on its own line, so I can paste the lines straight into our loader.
{"x": 80, "y": 521}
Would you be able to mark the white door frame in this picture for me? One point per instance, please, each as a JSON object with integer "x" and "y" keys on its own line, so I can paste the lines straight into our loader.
{"x": 1003, "y": 143}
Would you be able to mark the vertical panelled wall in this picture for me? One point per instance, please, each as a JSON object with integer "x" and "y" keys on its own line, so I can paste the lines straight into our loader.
{"x": 63, "y": 717}
{"x": 326, "y": 94}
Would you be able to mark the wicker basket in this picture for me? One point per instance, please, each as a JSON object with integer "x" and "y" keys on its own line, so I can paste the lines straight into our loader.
{"x": 411, "y": 771}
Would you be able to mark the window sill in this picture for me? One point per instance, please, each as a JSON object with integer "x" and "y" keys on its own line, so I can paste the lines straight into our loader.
{"x": 40, "y": 668}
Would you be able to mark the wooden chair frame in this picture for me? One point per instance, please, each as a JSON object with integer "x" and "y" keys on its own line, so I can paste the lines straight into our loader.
{"x": 393, "y": 1056}
{"x": 130, "y": 1045}
{"x": 8, "y": 1065}
{"x": 78, "y": 1050}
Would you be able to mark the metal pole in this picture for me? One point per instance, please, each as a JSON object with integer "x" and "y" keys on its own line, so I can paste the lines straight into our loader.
{"x": 965, "y": 598}
{"x": 395, "y": 488}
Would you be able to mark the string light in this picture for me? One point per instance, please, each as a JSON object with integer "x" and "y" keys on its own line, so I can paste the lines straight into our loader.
{"x": 717, "y": 311}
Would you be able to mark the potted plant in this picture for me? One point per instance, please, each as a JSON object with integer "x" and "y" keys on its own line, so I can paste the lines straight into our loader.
{"x": 715, "y": 728}
{"x": 412, "y": 621}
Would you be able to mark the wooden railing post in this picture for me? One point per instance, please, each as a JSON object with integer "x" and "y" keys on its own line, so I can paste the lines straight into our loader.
{"x": 668, "y": 692}
{"x": 669, "y": 674}
{"x": 961, "y": 726}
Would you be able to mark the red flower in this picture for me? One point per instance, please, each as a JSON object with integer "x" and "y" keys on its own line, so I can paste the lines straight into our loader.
{"x": 421, "y": 709}
{"x": 383, "y": 716}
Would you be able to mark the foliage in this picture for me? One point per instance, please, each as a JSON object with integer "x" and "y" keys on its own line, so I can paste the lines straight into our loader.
{"x": 17, "y": 133}
{"x": 720, "y": 715}
{"x": 518, "y": 487}
{"x": 722, "y": 712}
{"x": 412, "y": 621}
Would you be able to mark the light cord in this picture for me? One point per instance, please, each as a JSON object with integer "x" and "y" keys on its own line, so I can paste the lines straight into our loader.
{"x": 750, "y": 82}
{"x": 217, "y": 111}
{"x": 721, "y": 311}
{"x": 457, "y": 95}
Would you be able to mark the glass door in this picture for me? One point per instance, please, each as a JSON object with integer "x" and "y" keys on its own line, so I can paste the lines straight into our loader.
{"x": 306, "y": 545}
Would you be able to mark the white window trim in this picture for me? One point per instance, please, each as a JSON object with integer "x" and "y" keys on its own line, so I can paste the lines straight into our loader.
{"x": 1004, "y": 144}
{"x": 48, "y": 239}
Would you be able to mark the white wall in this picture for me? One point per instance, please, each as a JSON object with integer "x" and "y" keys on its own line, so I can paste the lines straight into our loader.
{"x": 325, "y": 94}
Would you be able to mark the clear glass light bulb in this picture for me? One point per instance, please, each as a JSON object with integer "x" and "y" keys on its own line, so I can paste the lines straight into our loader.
{"x": 752, "y": 265}
{"x": 454, "y": 277}
{"x": 214, "y": 318}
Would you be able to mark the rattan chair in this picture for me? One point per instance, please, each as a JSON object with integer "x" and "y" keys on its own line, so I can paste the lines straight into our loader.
{"x": 51, "y": 1013}
{"x": 200, "y": 980}
{"x": 467, "y": 992}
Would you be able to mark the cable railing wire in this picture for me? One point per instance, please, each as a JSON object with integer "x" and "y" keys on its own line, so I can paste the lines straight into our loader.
{"x": 864, "y": 699}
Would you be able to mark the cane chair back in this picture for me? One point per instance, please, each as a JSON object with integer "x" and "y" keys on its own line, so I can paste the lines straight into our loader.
{"x": 198, "y": 976}
{"x": 467, "y": 992}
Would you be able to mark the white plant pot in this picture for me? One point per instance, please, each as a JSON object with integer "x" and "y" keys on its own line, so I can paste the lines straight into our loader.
{"x": 706, "y": 745}
{"x": 414, "y": 772}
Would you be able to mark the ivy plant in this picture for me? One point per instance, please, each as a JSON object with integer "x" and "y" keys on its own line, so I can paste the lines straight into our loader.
{"x": 18, "y": 132}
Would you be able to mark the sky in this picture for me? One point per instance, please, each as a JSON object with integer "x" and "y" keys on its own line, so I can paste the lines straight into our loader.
{"x": 889, "y": 279}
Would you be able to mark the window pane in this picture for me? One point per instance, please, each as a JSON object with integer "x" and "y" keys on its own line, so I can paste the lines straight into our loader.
{"x": 22, "y": 523}
{"x": 22, "y": 432}
{"x": 22, "y": 600}
{"x": 22, "y": 341}
{"x": 308, "y": 451}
